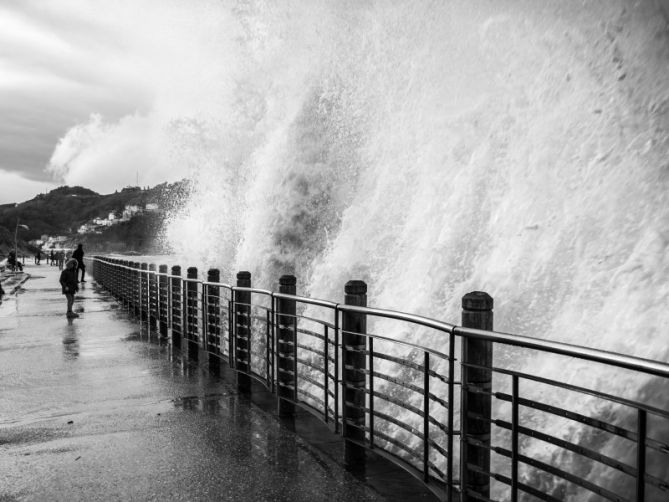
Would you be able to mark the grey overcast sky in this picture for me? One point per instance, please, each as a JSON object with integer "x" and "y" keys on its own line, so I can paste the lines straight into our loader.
{"x": 85, "y": 85}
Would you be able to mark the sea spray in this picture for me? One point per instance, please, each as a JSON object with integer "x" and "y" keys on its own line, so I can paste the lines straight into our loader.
{"x": 432, "y": 149}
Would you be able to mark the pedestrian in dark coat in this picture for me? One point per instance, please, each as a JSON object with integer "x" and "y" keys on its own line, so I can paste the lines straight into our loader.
{"x": 78, "y": 255}
{"x": 68, "y": 281}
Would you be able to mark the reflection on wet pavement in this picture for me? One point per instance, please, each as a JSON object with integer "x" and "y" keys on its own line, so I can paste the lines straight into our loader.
{"x": 94, "y": 409}
{"x": 71, "y": 341}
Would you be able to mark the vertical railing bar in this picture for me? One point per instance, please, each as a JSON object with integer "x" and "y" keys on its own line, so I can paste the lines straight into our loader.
{"x": 140, "y": 296}
{"x": 147, "y": 294}
{"x": 184, "y": 315}
{"x": 204, "y": 317}
{"x": 225, "y": 329}
{"x": 268, "y": 347}
{"x": 274, "y": 345}
{"x": 295, "y": 335}
{"x": 451, "y": 405}
{"x": 336, "y": 370}
{"x": 170, "y": 322}
{"x": 426, "y": 417}
{"x": 641, "y": 455}
{"x": 371, "y": 391}
{"x": 201, "y": 302}
{"x": 272, "y": 316}
{"x": 234, "y": 328}
{"x": 221, "y": 328}
{"x": 326, "y": 378}
{"x": 231, "y": 331}
{"x": 514, "y": 438}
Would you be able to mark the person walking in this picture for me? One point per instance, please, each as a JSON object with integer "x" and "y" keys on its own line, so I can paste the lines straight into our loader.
{"x": 68, "y": 281}
{"x": 78, "y": 255}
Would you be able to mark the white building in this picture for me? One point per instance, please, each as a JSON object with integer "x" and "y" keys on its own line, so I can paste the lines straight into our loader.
{"x": 152, "y": 207}
{"x": 130, "y": 211}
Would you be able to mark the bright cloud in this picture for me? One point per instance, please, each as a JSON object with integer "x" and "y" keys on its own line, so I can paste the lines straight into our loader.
{"x": 89, "y": 91}
{"x": 100, "y": 154}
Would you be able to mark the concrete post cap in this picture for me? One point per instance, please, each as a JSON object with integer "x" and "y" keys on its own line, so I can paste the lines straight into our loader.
{"x": 288, "y": 280}
{"x": 477, "y": 300}
{"x": 355, "y": 287}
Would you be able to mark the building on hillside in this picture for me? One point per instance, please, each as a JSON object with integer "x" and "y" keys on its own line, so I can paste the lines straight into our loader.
{"x": 130, "y": 211}
{"x": 152, "y": 207}
{"x": 102, "y": 222}
{"x": 53, "y": 241}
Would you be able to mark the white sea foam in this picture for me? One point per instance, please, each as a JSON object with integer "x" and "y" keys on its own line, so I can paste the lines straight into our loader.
{"x": 516, "y": 149}
{"x": 434, "y": 148}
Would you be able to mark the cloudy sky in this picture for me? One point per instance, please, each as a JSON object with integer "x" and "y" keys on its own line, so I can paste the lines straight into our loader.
{"x": 86, "y": 87}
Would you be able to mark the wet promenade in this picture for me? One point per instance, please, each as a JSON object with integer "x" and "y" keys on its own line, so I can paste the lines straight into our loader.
{"x": 93, "y": 409}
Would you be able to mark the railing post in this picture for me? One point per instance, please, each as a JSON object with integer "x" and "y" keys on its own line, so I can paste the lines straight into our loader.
{"x": 353, "y": 376}
{"x": 153, "y": 296}
{"x": 177, "y": 307}
{"x": 287, "y": 347}
{"x": 190, "y": 291}
{"x": 243, "y": 332}
{"x": 477, "y": 313}
{"x": 136, "y": 288}
{"x": 144, "y": 292}
{"x": 124, "y": 283}
{"x": 162, "y": 301}
{"x": 114, "y": 281}
{"x": 128, "y": 284}
{"x": 213, "y": 301}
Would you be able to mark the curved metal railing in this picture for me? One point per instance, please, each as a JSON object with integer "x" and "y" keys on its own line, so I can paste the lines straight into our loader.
{"x": 604, "y": 444}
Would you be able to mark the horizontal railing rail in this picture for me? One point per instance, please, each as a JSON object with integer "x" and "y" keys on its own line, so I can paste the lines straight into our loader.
{"x": 464, "y": 438}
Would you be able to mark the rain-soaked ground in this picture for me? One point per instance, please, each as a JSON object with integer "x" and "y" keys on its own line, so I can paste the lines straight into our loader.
{"x": 92, "y": 409}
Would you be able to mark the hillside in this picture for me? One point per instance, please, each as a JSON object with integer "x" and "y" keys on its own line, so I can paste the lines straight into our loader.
{"x": 63, "y": 210}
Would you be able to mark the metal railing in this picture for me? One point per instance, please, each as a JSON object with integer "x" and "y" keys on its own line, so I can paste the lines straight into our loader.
{"x": 404, "y": 400}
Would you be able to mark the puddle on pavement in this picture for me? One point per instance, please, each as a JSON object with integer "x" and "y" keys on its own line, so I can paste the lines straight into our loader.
{"x": 209, "y": 403}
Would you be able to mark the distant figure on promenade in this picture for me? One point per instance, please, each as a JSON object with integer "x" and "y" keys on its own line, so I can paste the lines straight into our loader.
{"x": 61, "y": 259}
{"x": 52, "y": 257}
{"x": 68, "y": 281}
{"x": 2, "y": 293}
{"x": 38, "y": 257}
{"x": 79, "y": 256}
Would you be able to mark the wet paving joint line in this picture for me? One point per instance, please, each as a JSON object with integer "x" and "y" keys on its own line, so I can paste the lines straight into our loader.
{"x": 86, "y": 415}
{"x": 190, "y": 400}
